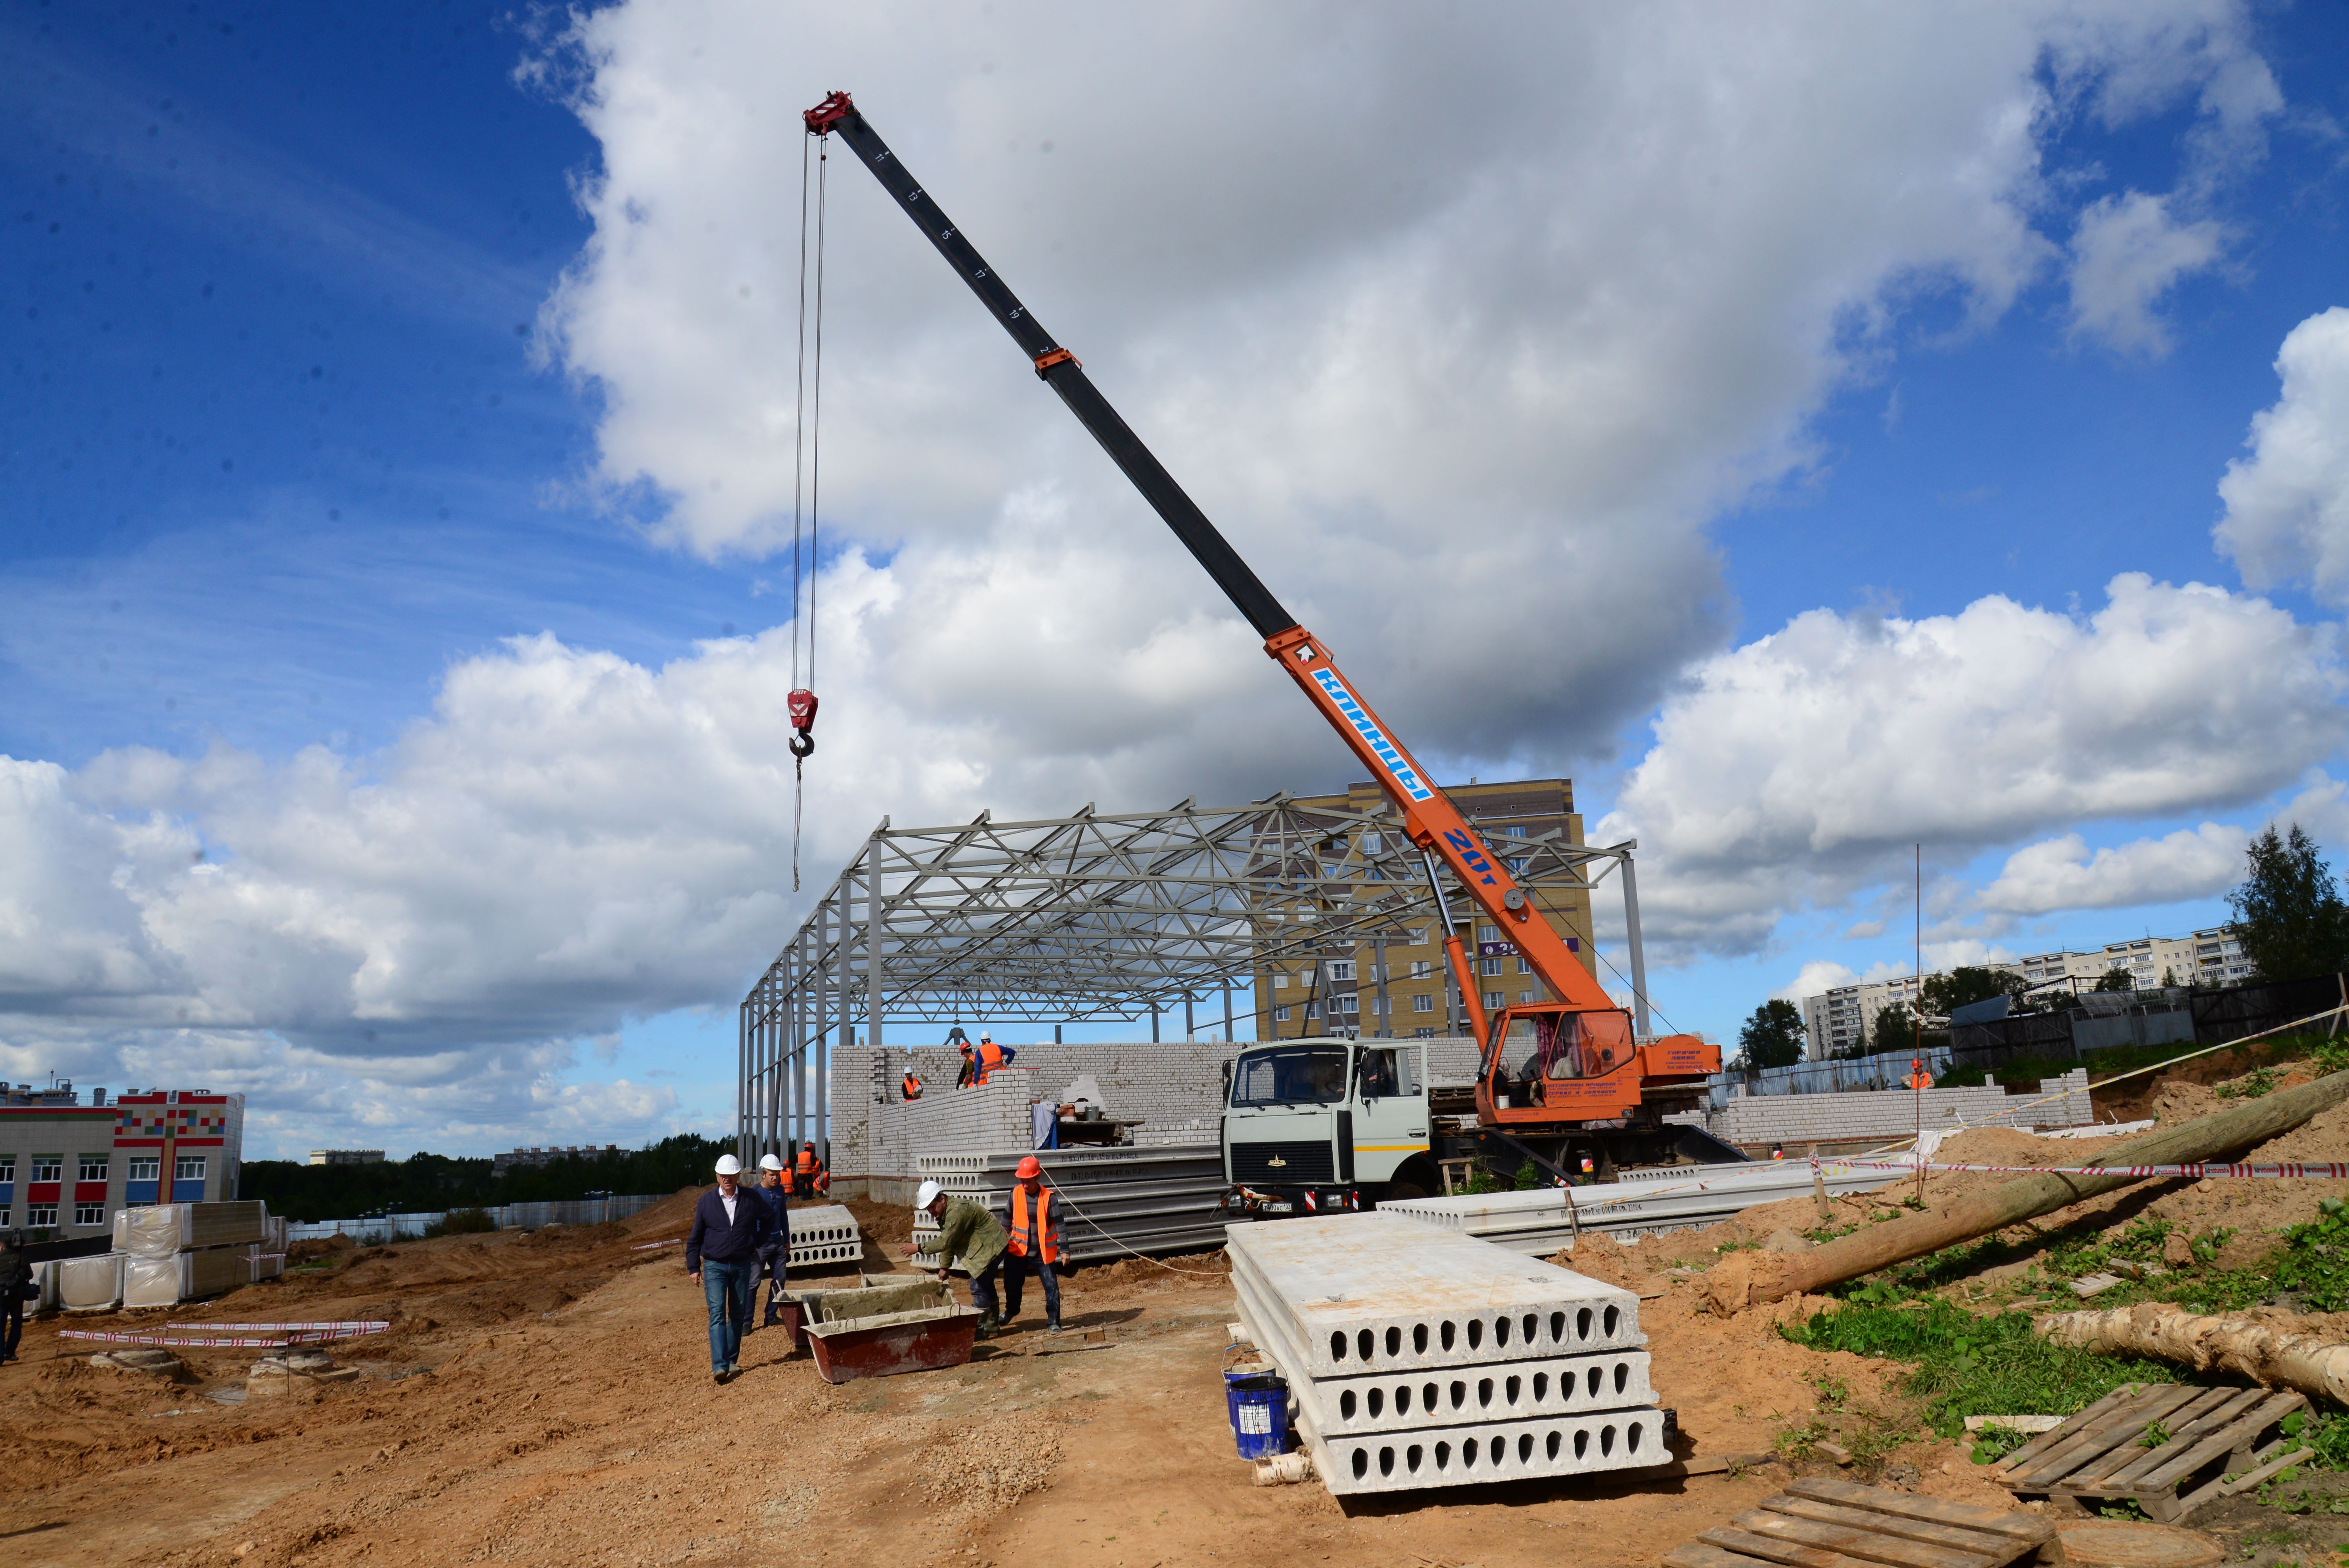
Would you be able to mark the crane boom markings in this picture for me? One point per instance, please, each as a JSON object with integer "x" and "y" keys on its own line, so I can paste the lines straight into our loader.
{"x": 1380, "y": 747}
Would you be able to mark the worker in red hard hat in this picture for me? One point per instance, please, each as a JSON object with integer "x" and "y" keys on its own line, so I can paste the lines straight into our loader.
{"x": 1032, "y": 1240}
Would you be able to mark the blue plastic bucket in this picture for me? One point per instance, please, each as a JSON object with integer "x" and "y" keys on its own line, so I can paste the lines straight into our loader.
{"x": 1258, "y": 1403}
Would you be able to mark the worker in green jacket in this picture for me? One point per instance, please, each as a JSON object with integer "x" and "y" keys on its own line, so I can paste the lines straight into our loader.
{"x": 966, "y": 1230}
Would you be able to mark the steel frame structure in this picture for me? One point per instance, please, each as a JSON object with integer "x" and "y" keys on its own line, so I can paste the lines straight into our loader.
{"x": 1084, "y": 917}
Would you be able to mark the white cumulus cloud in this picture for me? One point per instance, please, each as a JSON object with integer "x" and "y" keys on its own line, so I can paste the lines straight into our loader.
{"x": 2288, "y": 503}
{"x": 2129, "y": 251}
{"x": 2061, "y": 873}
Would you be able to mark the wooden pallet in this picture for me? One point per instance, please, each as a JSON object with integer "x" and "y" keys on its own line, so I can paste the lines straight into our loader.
{"x": 1839, "y": 1524}
{"x": 2216, "y": 1442}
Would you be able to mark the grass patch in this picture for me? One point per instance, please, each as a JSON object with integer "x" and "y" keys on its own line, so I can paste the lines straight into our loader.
{"x": 2315, "y": 1264}
{"x": 2259, "y": 1081}
{"x": 1967, "y": 1366}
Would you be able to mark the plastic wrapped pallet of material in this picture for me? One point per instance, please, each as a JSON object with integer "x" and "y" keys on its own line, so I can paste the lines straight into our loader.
{"x": 186, "y": 1276}
{"x": 91, "y": 1284}
{"x": 1419, "y": 1357}
{"x": 1541, "y": 1220}
{"x": 44, "y": 1280}
{"x": 160, "y": 1230}
{"x": 825, "y": 1233}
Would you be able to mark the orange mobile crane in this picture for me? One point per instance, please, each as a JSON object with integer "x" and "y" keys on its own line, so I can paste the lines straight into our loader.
{"x": 1548, "y": 1072}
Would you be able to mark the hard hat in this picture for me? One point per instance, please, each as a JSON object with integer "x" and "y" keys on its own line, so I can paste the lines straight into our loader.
{"x": 809, "y": 1144}
{"x": 769, "y": 1162}
{"x": 985, "y": 1038}
{"x": 729, "y": 1166}
{"x": 927, "y": 1194}
{"x": 1031, "y": 1168}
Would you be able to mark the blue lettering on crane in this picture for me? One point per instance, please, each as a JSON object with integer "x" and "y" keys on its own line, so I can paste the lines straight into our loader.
{"x": 1380, "y": 747}
{"x": 1469, "y": 853}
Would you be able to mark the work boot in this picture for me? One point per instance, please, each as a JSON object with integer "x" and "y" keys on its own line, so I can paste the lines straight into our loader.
{"x": 989, "y": 1325}
{"x": 1053, "y": 1327}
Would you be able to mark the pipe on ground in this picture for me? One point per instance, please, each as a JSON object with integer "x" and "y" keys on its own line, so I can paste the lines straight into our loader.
{"x": 1752, "y": 1279}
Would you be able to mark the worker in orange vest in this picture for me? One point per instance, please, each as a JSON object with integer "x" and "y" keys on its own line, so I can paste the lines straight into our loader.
{"x": 1032, "y": 1240}
{"x": 809, "y": 1176}
{"x": 988, "y": 1057}
{"x": 912, "y": 1086}
{"x": 969, "y": 1067}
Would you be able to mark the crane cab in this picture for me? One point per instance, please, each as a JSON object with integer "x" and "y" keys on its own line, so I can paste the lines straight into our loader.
{"x": 1546, "y": 1063}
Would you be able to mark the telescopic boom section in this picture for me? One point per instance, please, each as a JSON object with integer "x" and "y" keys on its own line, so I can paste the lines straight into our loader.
{"x": 1430, "y": 820}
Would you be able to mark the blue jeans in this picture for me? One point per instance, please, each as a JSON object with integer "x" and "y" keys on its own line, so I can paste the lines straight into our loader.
{"x": 727, "y": 1287}
{"x": 1015, "y": 1276}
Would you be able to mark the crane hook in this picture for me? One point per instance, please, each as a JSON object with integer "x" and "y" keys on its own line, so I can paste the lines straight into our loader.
{"x": 802, "y": 703}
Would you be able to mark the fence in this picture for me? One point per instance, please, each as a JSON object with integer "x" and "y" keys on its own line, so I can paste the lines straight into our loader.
{"x": 2178, "y": 1014}
{"x": 506, "y": 1217}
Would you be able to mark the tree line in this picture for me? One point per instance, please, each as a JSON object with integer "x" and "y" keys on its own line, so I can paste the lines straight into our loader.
{"x": 2289, "y": 914}
{"x": 428, "y": 1183}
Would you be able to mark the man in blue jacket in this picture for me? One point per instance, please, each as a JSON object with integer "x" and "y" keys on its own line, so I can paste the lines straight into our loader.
{"x": 722, "y": 1254}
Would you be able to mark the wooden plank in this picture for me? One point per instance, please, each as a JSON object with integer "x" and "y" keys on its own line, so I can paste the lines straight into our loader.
{"x": 1864, "y": 1543}
{"x": 2022, "y": 1456}
{"x": 2123, "y": 1423}
{"x": 1696, "y": 1554}
{"x": 2185, "y": 1421}
{"x": 2250, "y": 1478}
{"x": 1908, "y": 1506}
{"x": 1981, "y": 1542}
{"x": 1773, "y": 1548}
{"x": 2216, "y": 1420}
{"x": 2266, "y": 1412}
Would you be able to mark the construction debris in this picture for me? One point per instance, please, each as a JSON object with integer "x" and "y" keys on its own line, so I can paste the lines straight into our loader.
{"x": 2171, "y": 1449}
{"x": 1753, "y": 1278}
{"x": 2269, "y": 1357}
{"x": 1419, "y": 1359}
{"x": 1837, "y": 1524}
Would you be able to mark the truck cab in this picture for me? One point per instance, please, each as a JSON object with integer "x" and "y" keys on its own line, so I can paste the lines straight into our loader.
{"x": 1316, "y": 1125}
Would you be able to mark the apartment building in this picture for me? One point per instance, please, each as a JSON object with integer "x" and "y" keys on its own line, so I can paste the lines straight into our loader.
{"x": 1336, "y": 987}
{"x": 66, "y": 1167}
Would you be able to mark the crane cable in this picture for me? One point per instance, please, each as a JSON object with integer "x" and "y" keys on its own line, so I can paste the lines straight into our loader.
{"x": 807, "y": 464}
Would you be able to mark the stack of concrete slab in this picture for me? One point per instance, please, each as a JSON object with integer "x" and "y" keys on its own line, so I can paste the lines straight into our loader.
{"x": 1541, "y": 1220}
{"x": 1416, "y": 1357}
{"x": 825, "y": 1234}
{"x": 1114, "y": 1202}
{"x": 173, "y": 1253}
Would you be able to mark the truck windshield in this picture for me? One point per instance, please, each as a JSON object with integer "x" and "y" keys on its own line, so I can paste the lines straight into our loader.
{"x": 1304, "y": 1075}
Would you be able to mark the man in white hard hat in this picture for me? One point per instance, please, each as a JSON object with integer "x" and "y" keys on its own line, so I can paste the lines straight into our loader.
{"x": 774, "y": 1259}
{"x": 969, "y": 1231}
{"x": 722, "y": 1254}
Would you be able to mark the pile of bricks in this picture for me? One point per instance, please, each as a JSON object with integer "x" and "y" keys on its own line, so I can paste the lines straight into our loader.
{"x": 1754, "y": 1122}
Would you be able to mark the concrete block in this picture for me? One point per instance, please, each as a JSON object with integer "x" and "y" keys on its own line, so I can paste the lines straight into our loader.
{"x": 1558, "y": 1385}
{"x": 1372, "y": 1293}
{"x": 1490, "y": 1451}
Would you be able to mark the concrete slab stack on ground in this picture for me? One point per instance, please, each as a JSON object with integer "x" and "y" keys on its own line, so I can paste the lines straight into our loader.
{"x": 1116, "y": 1202}
{"x": 1756, "y": 1122}
{"x": 1359, "y": 1305}
{"x": 1542, "y": 1220}
{"x": 825, "y": 1233}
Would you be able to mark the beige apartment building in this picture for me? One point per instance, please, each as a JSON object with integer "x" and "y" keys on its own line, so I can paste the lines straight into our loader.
{"x": 1335, "y": 987}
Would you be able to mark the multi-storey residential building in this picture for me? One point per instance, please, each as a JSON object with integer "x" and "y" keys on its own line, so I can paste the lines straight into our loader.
{"x": 1335, "y": 987}
{"x": 1844, "y": 1016}
{"x": 66, "y": 1167}
{"x": 347, "y": 1157}
{"x": 500, "y": 1164}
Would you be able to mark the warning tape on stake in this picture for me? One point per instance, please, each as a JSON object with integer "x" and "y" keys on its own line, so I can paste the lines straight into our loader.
{"x": 350, "y": 1327}
{"x": 232, "y": 1342}
{"x": 2289, "y": 1171}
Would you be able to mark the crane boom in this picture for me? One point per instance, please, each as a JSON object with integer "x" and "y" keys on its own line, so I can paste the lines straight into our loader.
{"x": 1430, "y": 821}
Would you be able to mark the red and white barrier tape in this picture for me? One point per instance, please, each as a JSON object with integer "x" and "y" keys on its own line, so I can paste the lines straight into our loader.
{"x": 2291, "y": 1171}
{"x": 229, "y": 1342}
{"x": 351, "y": 1326}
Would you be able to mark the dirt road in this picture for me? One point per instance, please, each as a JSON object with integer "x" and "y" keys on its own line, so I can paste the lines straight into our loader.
{"x": 546, "y": 1398}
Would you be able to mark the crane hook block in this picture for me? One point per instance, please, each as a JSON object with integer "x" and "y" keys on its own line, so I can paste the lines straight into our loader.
{"x": 802, "y": 703}
{"x": 835, "y": 109}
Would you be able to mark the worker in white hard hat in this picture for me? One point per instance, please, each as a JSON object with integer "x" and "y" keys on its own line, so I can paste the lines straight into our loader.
{"x": 969, "y": 1231}
{"x": 774, "y": 1259}
{"x": 721, "y": 1254}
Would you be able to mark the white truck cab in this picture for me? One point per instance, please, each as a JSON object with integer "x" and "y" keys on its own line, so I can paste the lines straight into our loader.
{"x": 1315, "y": 1124}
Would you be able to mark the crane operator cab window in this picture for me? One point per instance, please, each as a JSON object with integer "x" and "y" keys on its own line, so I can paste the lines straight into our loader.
{"x": 1566, "y": 1044}
{"x": 1299, "y": 1074}
{"x": 1383, "y": 1072}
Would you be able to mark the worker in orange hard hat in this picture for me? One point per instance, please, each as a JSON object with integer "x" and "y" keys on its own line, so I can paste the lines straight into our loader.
{"x": 1032, "y": 1240}
{"x": 969, "y": 1067}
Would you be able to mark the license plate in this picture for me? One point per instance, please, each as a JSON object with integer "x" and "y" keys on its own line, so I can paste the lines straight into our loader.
{"x": 1281, "y": 1206}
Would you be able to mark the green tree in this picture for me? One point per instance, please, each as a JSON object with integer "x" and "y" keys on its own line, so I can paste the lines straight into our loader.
{"x": 1945, "y": 993}
{"x": 2288, "y": 914}
{"x": 2115, "y": 980}
{"x": 1771, "y": 1037}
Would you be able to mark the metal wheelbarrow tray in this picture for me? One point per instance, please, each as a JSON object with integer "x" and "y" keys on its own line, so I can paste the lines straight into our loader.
{"x": 895, "y": 1342}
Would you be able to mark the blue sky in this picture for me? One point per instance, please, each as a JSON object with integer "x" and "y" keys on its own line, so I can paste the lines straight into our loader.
{"x": 304, "y": 424}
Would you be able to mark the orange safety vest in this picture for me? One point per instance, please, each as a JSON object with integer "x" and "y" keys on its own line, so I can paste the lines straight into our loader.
{"x": 990, "y": 1057}
{"x": 913, "y": 1087}
{"x": 809, "y": 1163}
{"x": 1048, "y": 1224}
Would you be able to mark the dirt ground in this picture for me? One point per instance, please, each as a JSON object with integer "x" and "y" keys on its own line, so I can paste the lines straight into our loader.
{"x": 546, "y": 1398}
